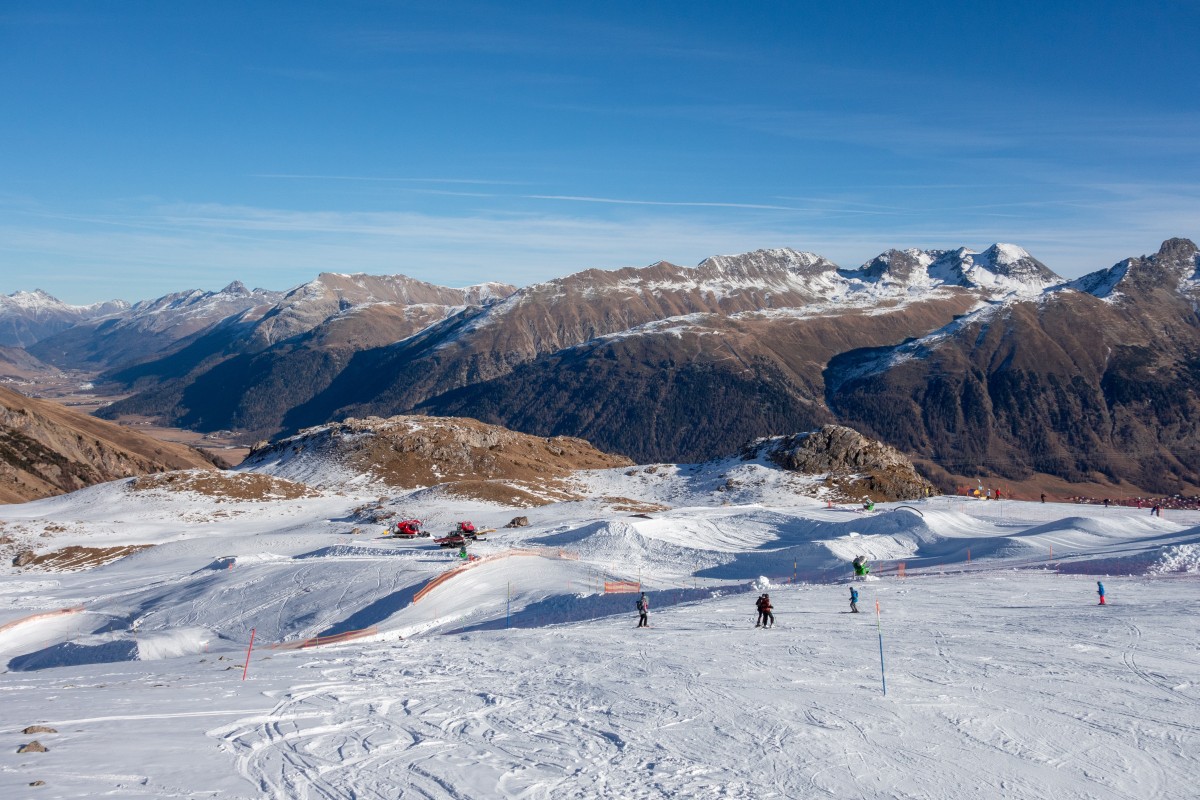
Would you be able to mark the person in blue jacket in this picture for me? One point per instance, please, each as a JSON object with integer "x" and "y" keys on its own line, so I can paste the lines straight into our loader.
{"x": 853, "y": 600}
{"x": 1100, "y": 591}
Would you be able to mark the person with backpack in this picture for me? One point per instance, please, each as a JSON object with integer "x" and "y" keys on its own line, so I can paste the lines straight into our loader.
{"x": 758, "y": 604}
{"x": 643, "y": 609}
{"x": 768, "y": 618}
{"x": 853, "y": 600}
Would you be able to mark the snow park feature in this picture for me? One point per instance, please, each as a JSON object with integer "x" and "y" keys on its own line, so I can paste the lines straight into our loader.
{"x": 391, "y": 668}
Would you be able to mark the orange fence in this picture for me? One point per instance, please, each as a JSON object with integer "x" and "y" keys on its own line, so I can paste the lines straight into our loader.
{"x": 622, "y": 586}
{"x": 45, "y": 615}
{"x": 450, "y": 573}
{"x": 317, "y": 641}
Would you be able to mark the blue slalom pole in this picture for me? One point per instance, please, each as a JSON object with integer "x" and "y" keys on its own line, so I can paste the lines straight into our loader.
{"x": 879, "y": 627}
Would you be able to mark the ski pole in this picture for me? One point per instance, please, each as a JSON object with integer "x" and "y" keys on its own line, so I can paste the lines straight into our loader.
{"x": 879, "y": 627}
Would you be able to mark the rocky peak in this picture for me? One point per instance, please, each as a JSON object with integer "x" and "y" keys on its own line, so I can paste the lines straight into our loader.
{"x": 759, "y": 263}
{"x": 1175, "y": 267}
{"x": 856, "y": 465}
{"x": 902, "y": 266}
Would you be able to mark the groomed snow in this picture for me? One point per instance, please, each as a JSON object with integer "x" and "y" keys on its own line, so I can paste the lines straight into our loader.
{"x": 518, "y": 676}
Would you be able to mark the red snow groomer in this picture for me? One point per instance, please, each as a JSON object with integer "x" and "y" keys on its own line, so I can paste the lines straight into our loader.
{"x": 469, "y": 531}
{"x": 408, "y": 529}
{"x": 453, "y": 540}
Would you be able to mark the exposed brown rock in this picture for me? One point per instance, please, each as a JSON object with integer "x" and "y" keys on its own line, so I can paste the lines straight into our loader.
{"x": 32, "y": 729}
{"x": 464, "y": 456}
{"x": 33, "y": 747}
{"x": 856, "y": 466}
{"x": 518, "y": 522}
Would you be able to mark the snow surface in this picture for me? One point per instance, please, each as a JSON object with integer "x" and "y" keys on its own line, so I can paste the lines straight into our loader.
{"x": 518, "y": 676}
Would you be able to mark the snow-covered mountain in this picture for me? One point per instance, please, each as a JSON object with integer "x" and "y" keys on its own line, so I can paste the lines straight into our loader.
{"x": 29, "y": 317}
{"x": 755, "y": 342}
{"x": 1175, "y": 268}
{"x": 150, "y": 327}
{"x": 1002, "y": 270}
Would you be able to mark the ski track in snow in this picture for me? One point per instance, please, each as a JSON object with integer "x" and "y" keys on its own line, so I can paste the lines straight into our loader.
{"x": 1004, "y": 678}
{"x": 983, "y": 702}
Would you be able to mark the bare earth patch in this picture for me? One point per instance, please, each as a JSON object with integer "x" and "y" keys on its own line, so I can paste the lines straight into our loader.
{"x": 73, "y": 558}
{"x": 633, "y": 506}
{"x": 226, "y": 485}
{"x": 509, "y": 493}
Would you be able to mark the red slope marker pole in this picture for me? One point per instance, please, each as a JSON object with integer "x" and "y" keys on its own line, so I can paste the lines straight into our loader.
{"x": 879, "y": 627}
{"x": 251, "y": 647}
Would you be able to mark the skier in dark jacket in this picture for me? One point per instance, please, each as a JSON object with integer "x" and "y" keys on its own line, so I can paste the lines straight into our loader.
{"x": 643, "y": 608}
{"x": 853, "y": 600}
{"x": 758, "y": 604}
{"x": 768, "y": 618}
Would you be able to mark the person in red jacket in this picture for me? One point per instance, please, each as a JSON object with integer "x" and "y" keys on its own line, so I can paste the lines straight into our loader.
{"x": 768, "y": 618}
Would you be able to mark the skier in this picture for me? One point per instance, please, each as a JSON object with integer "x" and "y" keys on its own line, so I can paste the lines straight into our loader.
{"x": 767, "y": 617}
{"x": 759, "y": 605}
{"x": 1100, "y": 591}
{"x": 1043, "y": 497}
{"x": 853, "y": 600}
{"x": 643, "y": 609}
{"x": 861, "y": 569}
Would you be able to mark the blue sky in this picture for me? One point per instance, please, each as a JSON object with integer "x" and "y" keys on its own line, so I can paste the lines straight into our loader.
{"x": 147, "y": 147}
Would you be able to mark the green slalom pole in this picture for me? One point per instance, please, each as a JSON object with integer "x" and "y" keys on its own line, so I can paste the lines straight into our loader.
{"x": 879, "y": 627}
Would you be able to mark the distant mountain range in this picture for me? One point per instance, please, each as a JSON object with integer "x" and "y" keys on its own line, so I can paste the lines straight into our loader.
{"x": 981, "y": 363}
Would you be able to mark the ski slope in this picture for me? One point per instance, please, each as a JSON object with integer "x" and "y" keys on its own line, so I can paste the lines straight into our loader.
{"x": 517, "y": 676}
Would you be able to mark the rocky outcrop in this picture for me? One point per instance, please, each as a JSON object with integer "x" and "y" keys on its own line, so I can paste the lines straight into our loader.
{"x": 413, "y": 451}
{"x": 46, "y": 449}
{"x": 856, "y": 466}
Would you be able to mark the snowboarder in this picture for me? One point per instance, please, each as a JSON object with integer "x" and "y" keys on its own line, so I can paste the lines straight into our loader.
{"x": 861, "y": 569}
{"x": 768, "y": 618}
{"x": 1100, "y": 591}
{"x": 643, "y": 609}
{"x": 853, "y": 600}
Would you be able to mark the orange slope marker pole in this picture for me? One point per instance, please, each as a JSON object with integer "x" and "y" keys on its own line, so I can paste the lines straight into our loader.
{"x": 248, "y": 650}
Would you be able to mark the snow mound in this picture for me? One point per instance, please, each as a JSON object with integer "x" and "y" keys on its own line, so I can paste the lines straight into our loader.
{"x": 1179, "y": 558}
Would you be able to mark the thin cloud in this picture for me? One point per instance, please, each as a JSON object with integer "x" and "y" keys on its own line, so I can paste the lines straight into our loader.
{"x": 385, "y": 179}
